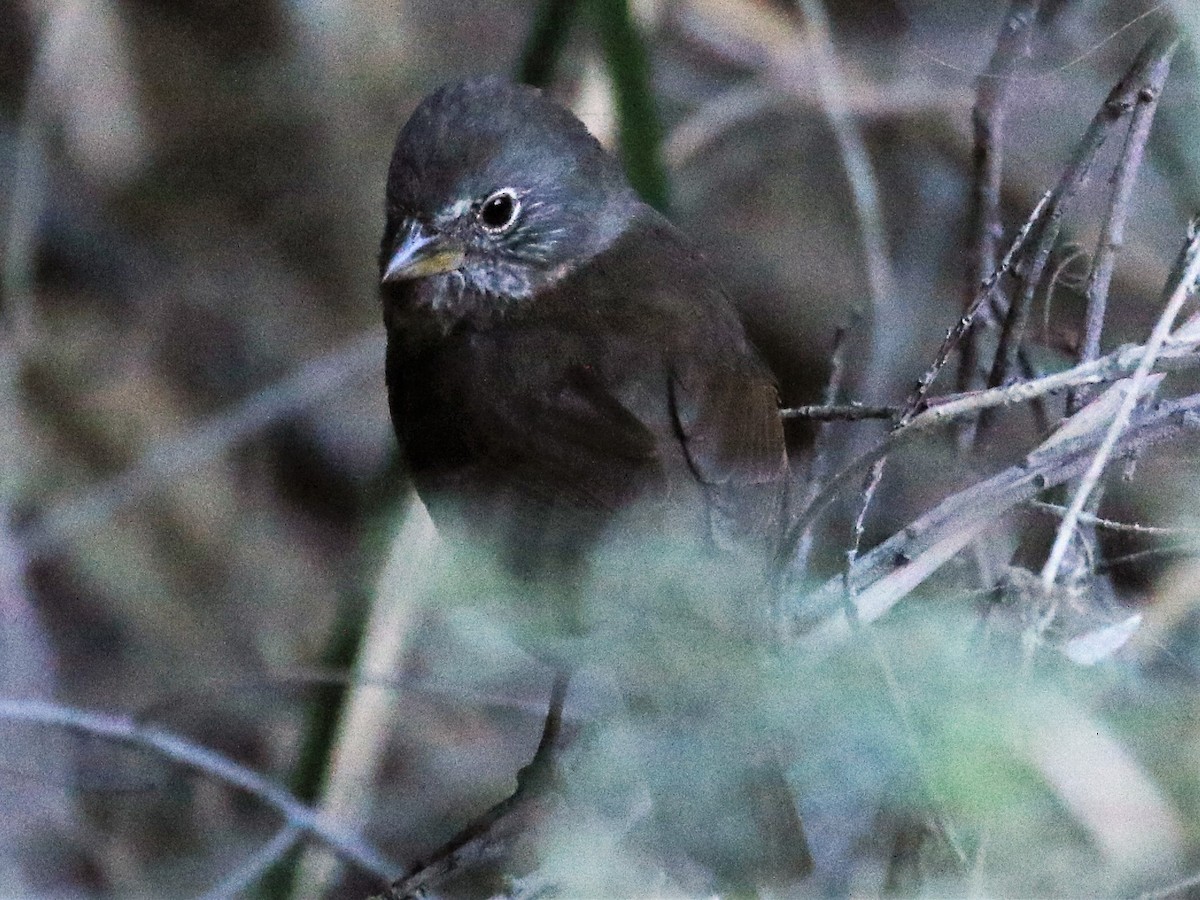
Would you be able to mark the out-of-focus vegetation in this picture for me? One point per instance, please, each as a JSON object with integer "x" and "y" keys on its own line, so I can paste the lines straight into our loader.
{"x": 203, "y": 532}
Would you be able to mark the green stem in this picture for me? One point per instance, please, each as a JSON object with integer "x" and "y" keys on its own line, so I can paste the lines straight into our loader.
{"x": 628, "y": 64}
{"x": 543, "y": 48}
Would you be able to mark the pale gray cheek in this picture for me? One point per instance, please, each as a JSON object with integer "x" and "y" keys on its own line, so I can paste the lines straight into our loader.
{"x": 498, "y": 280}
{"x": 445, "y": 292}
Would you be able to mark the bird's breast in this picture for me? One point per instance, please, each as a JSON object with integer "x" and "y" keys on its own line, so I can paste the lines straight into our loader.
{"x": 535, "y": 434}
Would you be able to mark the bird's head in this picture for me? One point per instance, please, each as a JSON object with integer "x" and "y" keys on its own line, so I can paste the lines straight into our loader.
{"x": 493, "y": 192}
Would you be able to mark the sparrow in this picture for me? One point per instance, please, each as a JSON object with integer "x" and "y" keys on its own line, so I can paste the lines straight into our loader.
{"x": 565, "y": 375}
{"x": 557, "y": 354}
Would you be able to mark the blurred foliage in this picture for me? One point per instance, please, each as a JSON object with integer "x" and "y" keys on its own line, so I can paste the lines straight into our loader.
{"x": 191, "y": 197}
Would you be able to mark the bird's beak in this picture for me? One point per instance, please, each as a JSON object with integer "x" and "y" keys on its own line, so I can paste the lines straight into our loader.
{"x": 422, "y": 251}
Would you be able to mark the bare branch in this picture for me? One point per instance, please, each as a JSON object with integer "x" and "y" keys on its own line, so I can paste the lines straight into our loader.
{"x": 206, "y": 440}
{"x": 1116, "y": 365}
{"x": 247, "y": 875}
{"x": 892, "y": 570}
{"x": 1112, "y": 233}
{"x": 216, "y": 765}
{"x": 1121, "y": 100}
{"x": 1119, "y": 364}
{"x": 848, "y": 412}
{"x": 1189, "y": 263}
{"x": 987, "y": 120}
{"x": 1110, "y": 525}
{"x": 956, "y": 334}
{"x": 1180, "y": 354}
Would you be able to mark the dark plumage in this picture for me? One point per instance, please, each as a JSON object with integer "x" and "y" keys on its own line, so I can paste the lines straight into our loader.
{"x": 578, "y": 365}
{"x": 565, "y": 376}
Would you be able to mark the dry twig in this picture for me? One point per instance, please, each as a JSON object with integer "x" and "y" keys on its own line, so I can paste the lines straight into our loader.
{"x": 834, "y": 412}
{"x": 1121, "y": 100}
{"x": 215, "y": 765}
{"x": 987, "y": 120}
{"x": 864, "y": 190}
{"x": 206, "y": 440}
{"x": 897, "y": 566}
{"x": 1116, "y": 365}
{"x": 496, "y": 831}
{"x": 1042, "y": 226}
{"x": 820, "y": 451}
{"x": 1187, "y": 270}
{"x": 1111, "y": 525}
{"x": 1112, "y": 233}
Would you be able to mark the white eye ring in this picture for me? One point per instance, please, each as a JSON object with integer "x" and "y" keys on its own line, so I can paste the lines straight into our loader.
{"x": 499, "y": 211}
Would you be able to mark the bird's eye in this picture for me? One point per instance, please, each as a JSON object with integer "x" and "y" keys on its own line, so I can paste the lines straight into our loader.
{"x": 499, "y": 211}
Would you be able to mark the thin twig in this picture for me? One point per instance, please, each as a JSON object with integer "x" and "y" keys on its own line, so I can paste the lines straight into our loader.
{"x": 1119, "y": 364}
{"x": 204, "y": 441}
{"x": 882, "y": 288}
{"x": 437, "y": 689}
{"x": 1116, "y": 365}
{"x": 249, "y": 873}
{"x": 1013, "y": 46}
{"x": 864, "y": 186}
{"x": 1190, "y": 549}
{"x": 1112, "y": 233}
{"x": 490, "y": 832}
{"x": 123, "y": 729}
{"x": 955, "y": 334}
{"x": 898, "y": 565}
{"x": 1070, "y": 253}
{"x": 819, "y": 467}
{"x": 987, "y": 120}
{"x": 870, "y": 486}
{"x": 845, "y": 412}
{"x": 864, "y": 190}
{"x": 1120, "y": 101}
{"x": 1070, "y": 63}
{"x": 1188, "y": 267}
{"x": 1110, "y": 525}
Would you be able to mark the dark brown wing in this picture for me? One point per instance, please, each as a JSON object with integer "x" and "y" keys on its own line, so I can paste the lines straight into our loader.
{"x": 723, "y": 406}
{"x": 728, "y": 419}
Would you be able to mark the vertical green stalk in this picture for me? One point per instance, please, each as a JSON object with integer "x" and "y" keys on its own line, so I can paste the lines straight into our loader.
{"x": 321, "y": 719}
{"x": 377, "y": 502}
{"x": 543, "y": 48}
{"x": 628, "y": 64}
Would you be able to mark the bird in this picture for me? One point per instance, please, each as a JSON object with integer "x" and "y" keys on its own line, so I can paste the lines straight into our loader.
{"x": 566, "y": 376}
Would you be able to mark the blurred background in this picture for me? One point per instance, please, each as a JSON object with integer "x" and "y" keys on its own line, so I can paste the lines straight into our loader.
{"x": 199, "y": 491}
